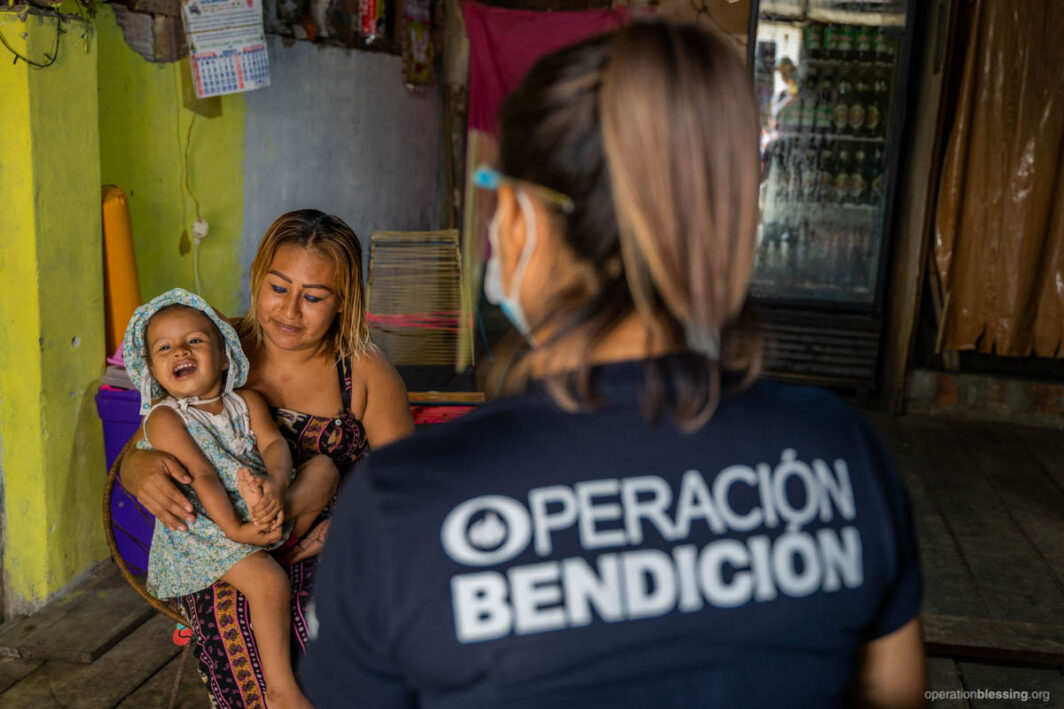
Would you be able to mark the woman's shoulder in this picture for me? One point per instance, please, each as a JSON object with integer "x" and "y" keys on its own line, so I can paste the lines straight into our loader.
{"x": 373, "y": 364}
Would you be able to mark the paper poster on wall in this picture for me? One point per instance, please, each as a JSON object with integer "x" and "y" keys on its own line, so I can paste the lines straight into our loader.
{"x": 227, "y": 46}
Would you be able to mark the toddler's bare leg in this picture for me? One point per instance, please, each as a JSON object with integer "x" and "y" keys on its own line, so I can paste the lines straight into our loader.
{"x": 310, "y": 492}
{"x": 265, "y": 584}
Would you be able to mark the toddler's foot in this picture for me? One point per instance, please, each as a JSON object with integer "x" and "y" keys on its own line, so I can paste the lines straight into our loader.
{"x": 249, "y": 487}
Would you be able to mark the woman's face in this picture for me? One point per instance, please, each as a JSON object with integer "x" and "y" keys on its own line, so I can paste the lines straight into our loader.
{"x": 299, "y": 298}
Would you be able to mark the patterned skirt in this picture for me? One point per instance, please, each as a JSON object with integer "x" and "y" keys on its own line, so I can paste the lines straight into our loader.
{"x": 225, "y": 646}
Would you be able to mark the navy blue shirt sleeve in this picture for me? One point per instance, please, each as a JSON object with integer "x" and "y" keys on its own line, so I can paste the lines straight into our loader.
{"x": 901, "y": 602}
{"x": 348, "y": 665}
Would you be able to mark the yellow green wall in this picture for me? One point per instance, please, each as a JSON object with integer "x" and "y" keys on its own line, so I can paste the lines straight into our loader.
{"x": 51, "y": 313}
{"x": 54, "y": 156}
{"x": 144, "y": 128}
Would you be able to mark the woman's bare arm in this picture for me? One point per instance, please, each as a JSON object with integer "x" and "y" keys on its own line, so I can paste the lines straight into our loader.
{"x": 387, "y": 415}
{"x": 386, "y": 419}
{"x": 892, "y": 674}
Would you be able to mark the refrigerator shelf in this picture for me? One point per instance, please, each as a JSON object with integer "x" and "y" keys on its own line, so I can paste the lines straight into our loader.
{"x": 856, "y": 17}
{"x": 784, "y": 133}
{"x": 861, "y": 63}
{"x": 889, "y": 15}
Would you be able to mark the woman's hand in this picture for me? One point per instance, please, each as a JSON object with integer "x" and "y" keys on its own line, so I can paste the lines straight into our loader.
{"x": 307, "y": 547}
{"x": 149, "y": 476}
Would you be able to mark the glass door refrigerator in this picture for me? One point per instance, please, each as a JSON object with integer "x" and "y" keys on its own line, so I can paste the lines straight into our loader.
{"x": 829, "y": 76}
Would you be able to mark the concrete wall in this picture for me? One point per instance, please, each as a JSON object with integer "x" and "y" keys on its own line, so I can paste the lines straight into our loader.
{"x": 51, "y": 313}
{"x": 144, "y": 133}
{"x": 337, "y": 131}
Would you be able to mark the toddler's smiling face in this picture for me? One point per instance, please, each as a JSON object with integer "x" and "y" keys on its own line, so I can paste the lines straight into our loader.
{"x": 185, "y": 353}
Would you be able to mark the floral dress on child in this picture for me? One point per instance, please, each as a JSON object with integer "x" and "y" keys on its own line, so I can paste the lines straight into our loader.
{"x": 181, "y": 563}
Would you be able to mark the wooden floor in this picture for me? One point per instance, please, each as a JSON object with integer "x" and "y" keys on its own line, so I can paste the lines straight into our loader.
{"x": 988, "y": 505}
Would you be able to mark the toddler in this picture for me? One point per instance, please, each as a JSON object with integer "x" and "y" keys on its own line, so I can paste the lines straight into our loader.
{"x": 187, "y": 363}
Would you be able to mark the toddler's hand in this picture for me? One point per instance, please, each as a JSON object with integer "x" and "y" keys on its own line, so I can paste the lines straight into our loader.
{"x": 275, "y": 523}
{"x": 251, "y": 533}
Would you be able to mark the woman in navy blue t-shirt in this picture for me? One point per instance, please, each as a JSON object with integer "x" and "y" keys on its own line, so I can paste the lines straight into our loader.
{"x": 641, "y": 522}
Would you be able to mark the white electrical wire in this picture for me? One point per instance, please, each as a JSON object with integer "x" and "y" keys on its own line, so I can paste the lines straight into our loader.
{"x": 195, "y": 266}
{"x": 200, "y": 228}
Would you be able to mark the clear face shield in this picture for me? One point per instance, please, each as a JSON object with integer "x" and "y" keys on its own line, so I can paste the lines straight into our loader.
{"x": 508, "y": 300}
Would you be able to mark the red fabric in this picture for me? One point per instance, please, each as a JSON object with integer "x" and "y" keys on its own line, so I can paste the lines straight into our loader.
{"x": 504, "y": 44}
{"x": 438, "y": 414}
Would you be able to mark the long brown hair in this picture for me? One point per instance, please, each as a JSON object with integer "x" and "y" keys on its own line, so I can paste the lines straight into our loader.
{"x": 652, "y": 131}
{"x": 330, "y": 236}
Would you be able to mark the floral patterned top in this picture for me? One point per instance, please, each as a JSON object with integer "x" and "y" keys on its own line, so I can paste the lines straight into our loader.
{"x": 341, "y": 437}
{"x": 180, "y": 563}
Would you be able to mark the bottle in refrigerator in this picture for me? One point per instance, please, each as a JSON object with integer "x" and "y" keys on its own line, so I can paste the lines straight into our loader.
{"x": 826, "y": 174}
{"x": 863, "y": 51}
{"x": 876, "y": 185}
{"x": 830, "y": 48}
{"x": 841, "y": 112}
{"x": 813, "y": 40}
{"x": 808, "y": 94}
{"x": 825, "y": 105}
{"x": 858, "y": 177}
{"x": 877, "y": 105}
{"x": 844, "y": 43}
{"x": 858, "y": 100}
{"x": 886, "y": 46}
{"x": 843, "y": 167}
{"x": 879, "y": 50}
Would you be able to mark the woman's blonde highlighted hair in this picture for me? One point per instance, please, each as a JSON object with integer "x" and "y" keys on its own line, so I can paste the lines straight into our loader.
{"x": 348, "y": 336}
{"x": 652, "y": 130}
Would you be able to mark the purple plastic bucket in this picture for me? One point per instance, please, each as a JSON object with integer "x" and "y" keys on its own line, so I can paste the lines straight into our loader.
{"x": 119, "y": 410}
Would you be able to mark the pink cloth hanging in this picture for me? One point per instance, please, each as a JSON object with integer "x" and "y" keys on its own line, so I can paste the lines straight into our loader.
{"x": 504, "y": 44}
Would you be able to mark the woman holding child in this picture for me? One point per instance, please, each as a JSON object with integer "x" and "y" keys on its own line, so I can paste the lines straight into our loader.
{"x": 328, "y": 391}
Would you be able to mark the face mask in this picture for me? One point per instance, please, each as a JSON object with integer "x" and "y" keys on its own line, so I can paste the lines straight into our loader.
{"x": 510, "y": 303}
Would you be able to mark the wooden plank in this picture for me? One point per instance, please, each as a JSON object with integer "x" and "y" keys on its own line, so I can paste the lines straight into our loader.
{"x": 12, "y": 670}
{"x": 1020, "y": 686}
{"x": 1010, "y": 575}
{"x": 943, "y": 675}
{"x": 105, "y": 682}
{"x": 1033, "y": 500}
{"x": 445, "y": 397}
{"x": 1040, "y": 644}
{"x": 80, "y": 627}
{"x": 949, "y": 587}
{"x": 192, "y": 693}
